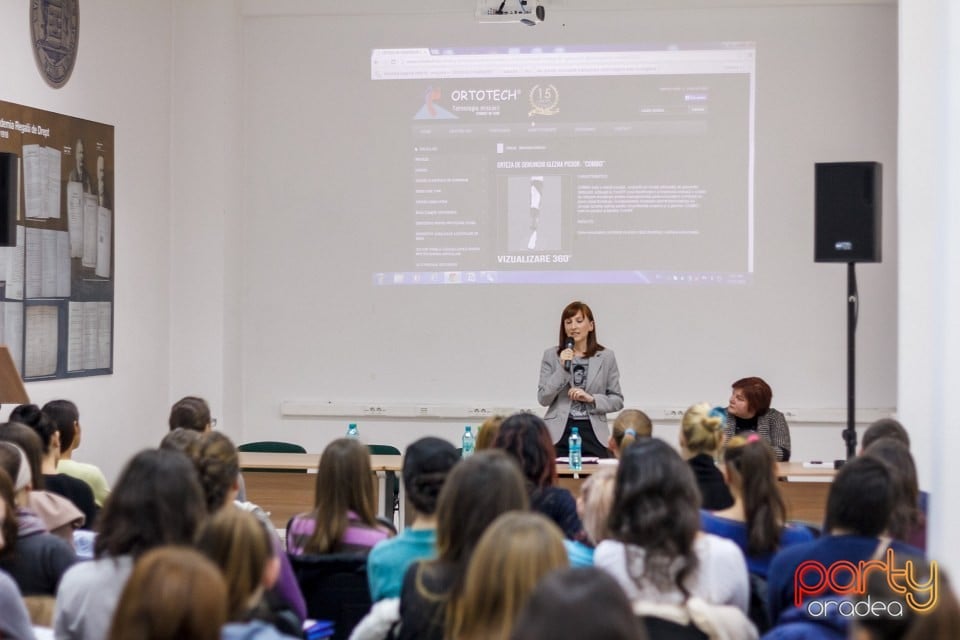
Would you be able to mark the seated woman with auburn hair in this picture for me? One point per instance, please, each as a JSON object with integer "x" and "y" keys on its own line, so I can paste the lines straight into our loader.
{"x": 749, "y": 410}
{"x": 525, "y": 437}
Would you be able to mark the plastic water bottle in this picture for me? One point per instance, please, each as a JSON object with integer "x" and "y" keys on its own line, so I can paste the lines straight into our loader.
{"x": 468, "y": 442}
{"x": 352, "y": 431}
{"x": 575, "y": 444}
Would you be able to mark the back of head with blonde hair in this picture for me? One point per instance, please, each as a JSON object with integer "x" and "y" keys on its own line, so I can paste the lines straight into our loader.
{"x": 488, "y": 431}
{"x": 510, "y": 559}
{"x": 596, "y": 499}
{"x": 630, "y": 425}
{"x": 702, "y": 430}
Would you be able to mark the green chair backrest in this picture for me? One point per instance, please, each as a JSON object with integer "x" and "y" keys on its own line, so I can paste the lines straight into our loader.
{"x": 382, "y": 450}
{"x": 271, "y": 446}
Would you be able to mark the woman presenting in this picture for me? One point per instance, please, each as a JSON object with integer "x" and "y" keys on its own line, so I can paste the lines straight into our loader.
{"x": 579, "y": 383}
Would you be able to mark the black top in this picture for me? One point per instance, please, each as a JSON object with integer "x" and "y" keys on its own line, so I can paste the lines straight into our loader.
{"x": 746, "y": 424}
{"x": 559, "y": 505}
{"x": 713, "y": 489}
{"x": 423, "y": 607}
{"x": 76, "y": 491}
{"x": 38, "y": 562}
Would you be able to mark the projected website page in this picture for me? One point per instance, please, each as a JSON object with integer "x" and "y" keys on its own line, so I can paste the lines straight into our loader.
{"x": 573, "y": 165}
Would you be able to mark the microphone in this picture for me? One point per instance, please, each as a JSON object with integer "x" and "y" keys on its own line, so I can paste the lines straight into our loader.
{"x": 567, "y": 345}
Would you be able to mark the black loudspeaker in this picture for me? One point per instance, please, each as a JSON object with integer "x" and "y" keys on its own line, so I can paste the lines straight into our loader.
{"x": 847, "y": 226}
{"x": 9, "y": 184}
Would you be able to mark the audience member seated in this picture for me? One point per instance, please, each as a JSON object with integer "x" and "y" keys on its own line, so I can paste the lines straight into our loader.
{"x": 701, "y": 434}
{"x": 658, "y": 554}
{"x": 242, "y": 548}
{"x": 174, "y": 593}
{"x": 907, "y": 522}
{"x": 827, "y": 623}
{"x": 66, "y": 417}
{"x": 884, "y": 428}
{"x": 877, "y": 612}
{"x": 487, "y": 433}
{"x": 344, "y": 514}
{"x": 888, "y": 428}
{"x": 749, "y": 410}
{"x": 941, "y": 620}
{"x": 511, "y": 557}
{"x": 629, "y": 425}
{"x": 190, "y": 412}
{"x": 426, "y": 464}
{"x": 76, "y": 491}
{"x": 218, "y": 469}
{"x": 559, "y": 609}
{"x": 183, "y": 440}
{"x": 525, "y": 437}
{"x": 157, "y": 501}
{"x": 859, "y": 505}
{"x": 757, "y": 519}
{"x": 14, "y": 618}
{"x": 477, "y": 490}
{"x": 34, "y": 558}
{"x": 593, "y": 507}
{"x": 60, "y": 516}
{"x": 193, "y": 413}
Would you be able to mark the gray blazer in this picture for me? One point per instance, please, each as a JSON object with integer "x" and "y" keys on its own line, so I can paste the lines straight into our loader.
{"x": 603, "y": 383}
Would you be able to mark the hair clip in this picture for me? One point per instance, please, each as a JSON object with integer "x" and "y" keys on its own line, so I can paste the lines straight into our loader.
{"x": 630, "y": 432}
{"x": 753, "y": 437}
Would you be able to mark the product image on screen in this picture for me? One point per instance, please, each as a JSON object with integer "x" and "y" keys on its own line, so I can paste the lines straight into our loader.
{"x": 570, "y": 164}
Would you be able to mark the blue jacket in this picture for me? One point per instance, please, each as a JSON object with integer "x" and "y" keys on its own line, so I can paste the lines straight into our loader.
{"x": 798, "y": 624}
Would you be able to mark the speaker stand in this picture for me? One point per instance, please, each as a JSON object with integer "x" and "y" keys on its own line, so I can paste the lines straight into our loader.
{"x": 853, "y": 307}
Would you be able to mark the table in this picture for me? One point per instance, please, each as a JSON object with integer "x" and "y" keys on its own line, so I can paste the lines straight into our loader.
{"x": 283, "y": 484}
{"x": 277, "y": 482}
{"x": 805, "y": 491}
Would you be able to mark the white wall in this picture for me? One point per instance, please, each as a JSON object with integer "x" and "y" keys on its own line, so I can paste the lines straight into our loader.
{"x": 207, "y": 144}
{"x": 314, "y": 332}
{"x": 929, "y": 344}
{"x": 122, "y": 78}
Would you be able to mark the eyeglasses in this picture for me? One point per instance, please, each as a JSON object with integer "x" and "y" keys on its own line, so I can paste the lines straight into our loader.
{"x": 213, "y": 423}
